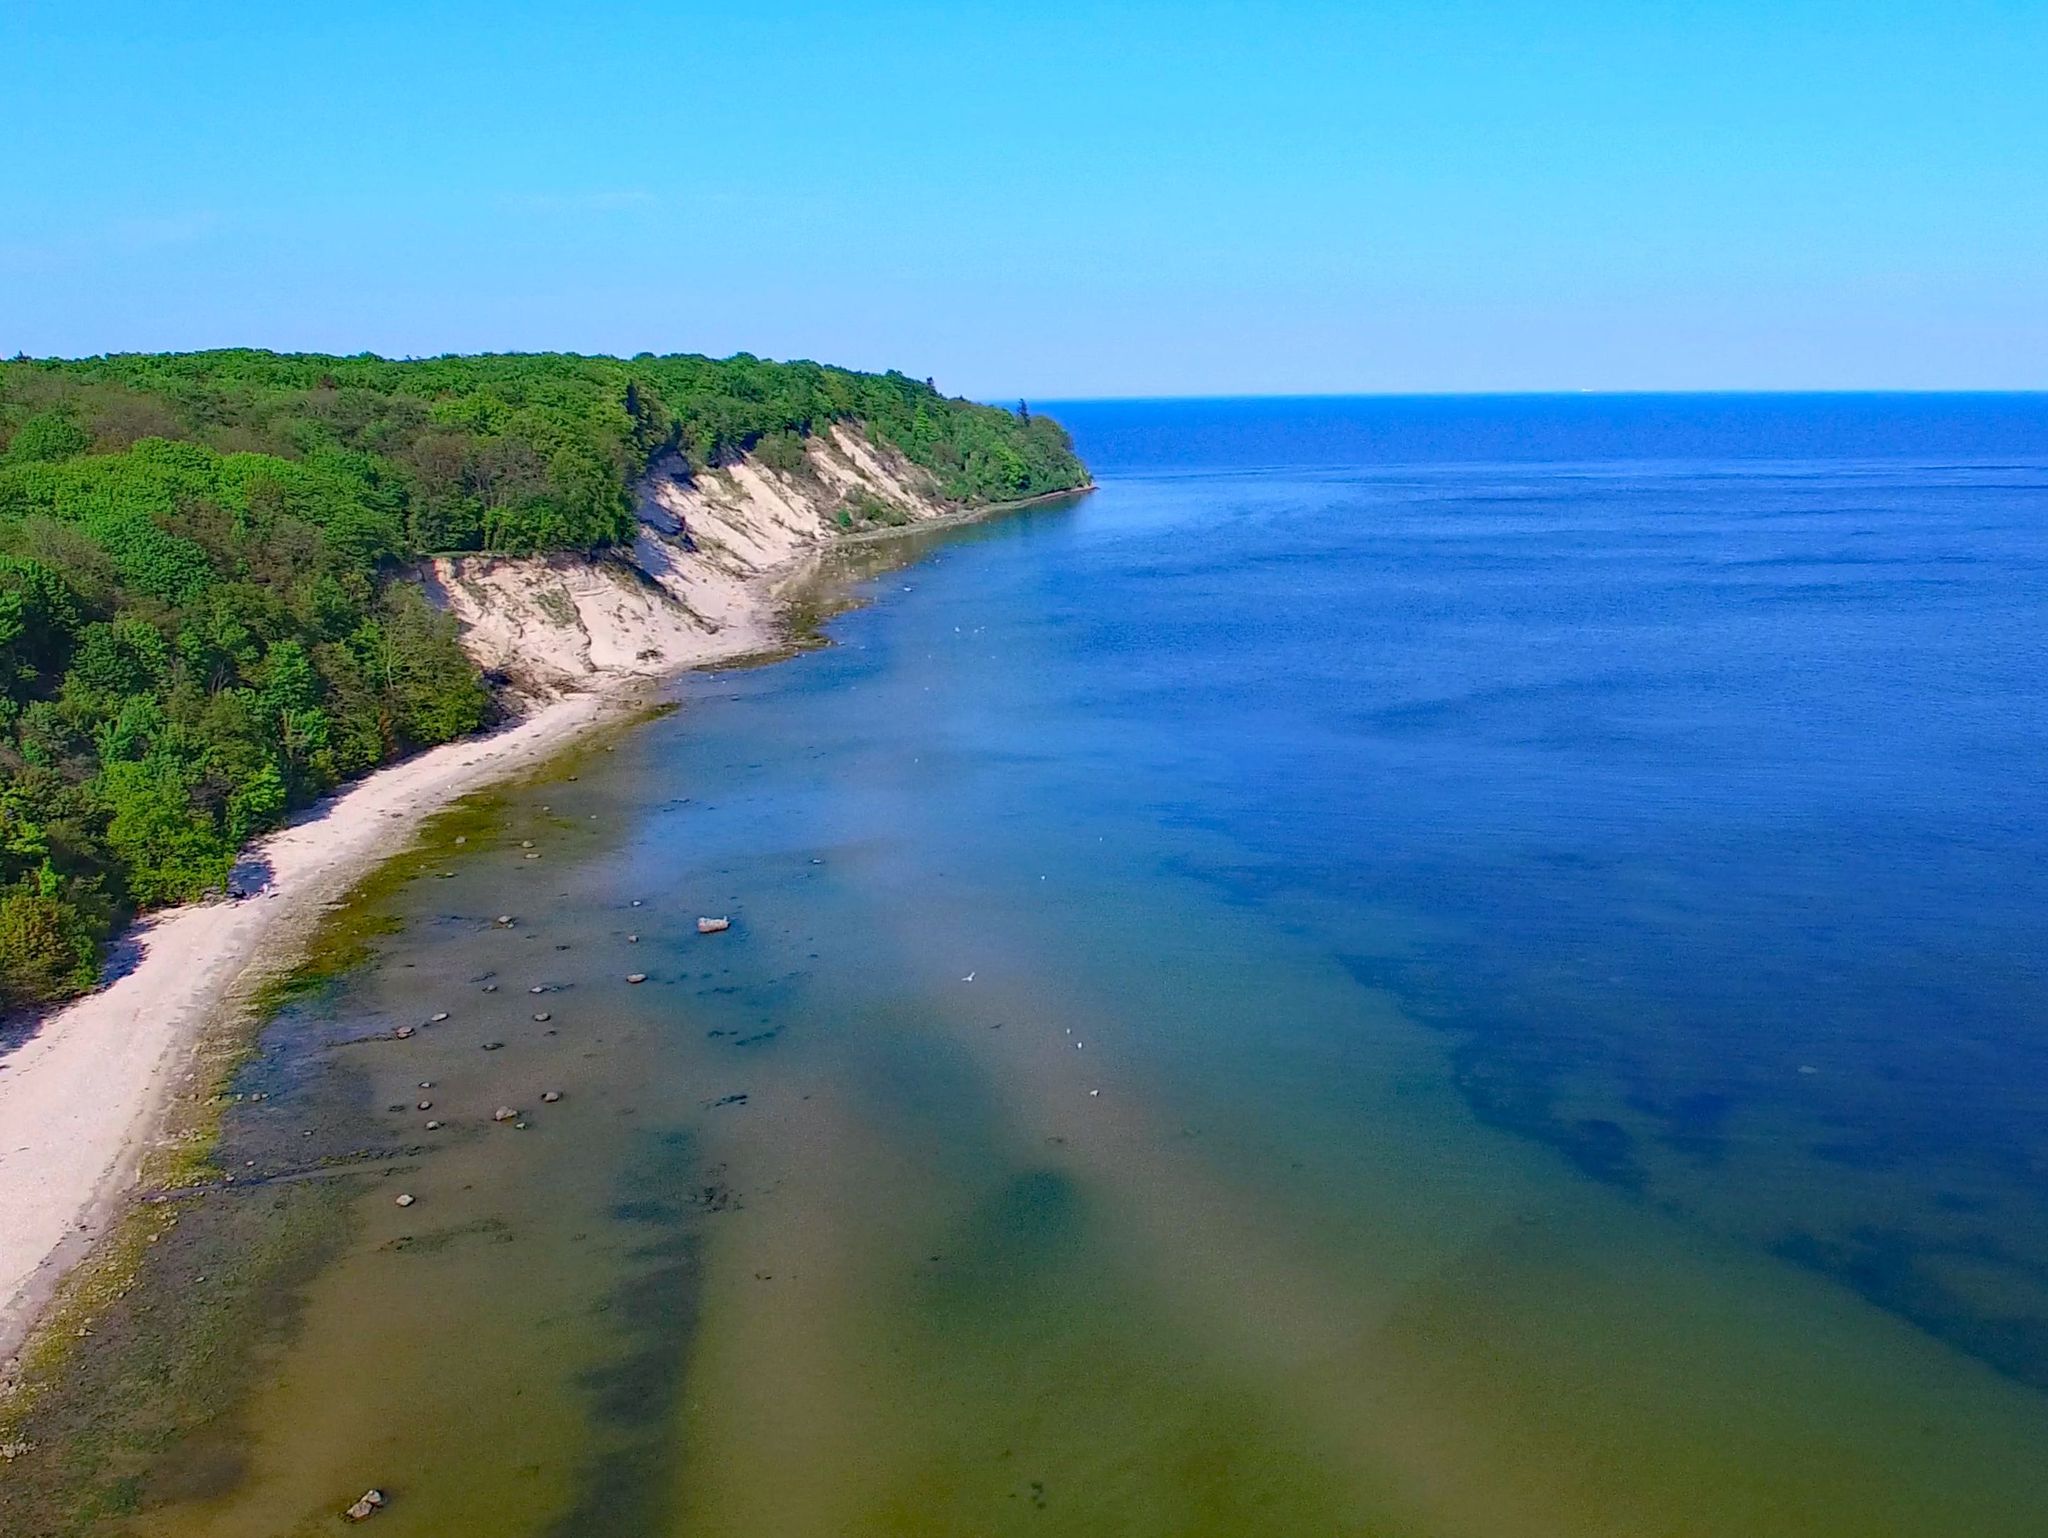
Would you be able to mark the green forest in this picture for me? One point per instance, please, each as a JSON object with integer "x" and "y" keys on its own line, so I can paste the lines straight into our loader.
{"x": 206, "y": 612}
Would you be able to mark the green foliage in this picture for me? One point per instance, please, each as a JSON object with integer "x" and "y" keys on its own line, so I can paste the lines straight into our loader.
{"x": 48, "y": 947}
{"x": 46, "y": 436}
{"x": 205, "y": 617}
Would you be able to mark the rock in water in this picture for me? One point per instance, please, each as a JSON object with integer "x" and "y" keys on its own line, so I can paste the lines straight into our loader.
{"x": 550, "y": 1096}
{"x": 503, "y": 1113}
{"x": 405, "y": 1200}
{"x": 366, "y": 1508}
{"x": 636, "y": 977}
{"x": 712, "y": 926}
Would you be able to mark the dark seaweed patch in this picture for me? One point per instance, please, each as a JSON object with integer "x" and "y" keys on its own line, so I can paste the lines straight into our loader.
{"x": 627, "y": 1487}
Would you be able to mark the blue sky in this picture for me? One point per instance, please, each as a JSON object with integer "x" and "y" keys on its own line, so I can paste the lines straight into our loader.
{"x": 1047, "y": 199}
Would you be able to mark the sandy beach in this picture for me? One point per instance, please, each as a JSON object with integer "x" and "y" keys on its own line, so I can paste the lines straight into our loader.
{"x": 83, "y": 1096}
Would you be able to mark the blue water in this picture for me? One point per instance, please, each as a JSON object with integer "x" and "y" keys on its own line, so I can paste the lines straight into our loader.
{"x": 1706, "y": 739}
{"x": 1451, "y": 968}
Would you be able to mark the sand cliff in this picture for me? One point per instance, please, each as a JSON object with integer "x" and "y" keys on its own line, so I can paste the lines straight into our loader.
{"x": 691, "y": 588}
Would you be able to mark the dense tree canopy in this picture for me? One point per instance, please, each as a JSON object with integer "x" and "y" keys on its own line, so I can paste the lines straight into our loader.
{"x": 205, "y": 617}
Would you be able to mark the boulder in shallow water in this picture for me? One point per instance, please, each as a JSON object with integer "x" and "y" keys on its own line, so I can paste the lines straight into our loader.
{"x": 636, "y": 977}
{"x": 366, "y": 1508}
{"x": 550, "y": 1096}
{"x": 713, "y": 926}
{"x": 405, "y": 1199}
{"x": 504, "y": 1113}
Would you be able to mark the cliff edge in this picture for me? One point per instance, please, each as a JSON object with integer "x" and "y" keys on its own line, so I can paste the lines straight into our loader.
{"x": 691, "y": 589}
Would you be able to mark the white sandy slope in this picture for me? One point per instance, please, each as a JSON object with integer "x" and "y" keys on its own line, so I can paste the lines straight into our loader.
{"x": 692, "y": 584}
{"x": 82, "y": 1098}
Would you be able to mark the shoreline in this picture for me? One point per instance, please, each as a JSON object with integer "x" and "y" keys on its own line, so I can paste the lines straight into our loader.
{"x": 86, "y": 1096}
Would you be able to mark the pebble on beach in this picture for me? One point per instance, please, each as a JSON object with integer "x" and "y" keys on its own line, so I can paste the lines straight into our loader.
{"x": 405, "y": 1199}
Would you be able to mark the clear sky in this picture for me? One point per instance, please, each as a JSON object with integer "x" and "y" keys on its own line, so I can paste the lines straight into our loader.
{"x": 1049, "y": 199}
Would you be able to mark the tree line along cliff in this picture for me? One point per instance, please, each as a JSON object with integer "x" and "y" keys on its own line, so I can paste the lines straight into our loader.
{"x": 206, "y": 612}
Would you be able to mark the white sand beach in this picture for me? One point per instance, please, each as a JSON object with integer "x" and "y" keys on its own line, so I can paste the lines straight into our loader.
{"x": 82, "y": 1097}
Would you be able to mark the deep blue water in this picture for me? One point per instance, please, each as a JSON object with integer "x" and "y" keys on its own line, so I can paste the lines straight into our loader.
{"x": 1706, "y": 739}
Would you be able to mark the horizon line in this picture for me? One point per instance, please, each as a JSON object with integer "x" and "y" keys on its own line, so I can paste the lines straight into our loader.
{"x": 1536, "y": 394}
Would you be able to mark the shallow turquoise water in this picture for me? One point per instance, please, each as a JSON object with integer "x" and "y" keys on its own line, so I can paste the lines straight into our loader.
{"x": 1386, "y": 973}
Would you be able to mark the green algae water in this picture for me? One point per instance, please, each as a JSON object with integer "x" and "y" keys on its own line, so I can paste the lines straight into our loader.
{"x": 1404, "y": 969}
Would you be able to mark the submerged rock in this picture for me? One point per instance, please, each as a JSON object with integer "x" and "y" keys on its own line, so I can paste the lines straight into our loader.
{"x": 550, "y": 1096}
{"x": 504, "y": 1113}
{"x": 713, "y": 926}
{"x": 636, "y": 977}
